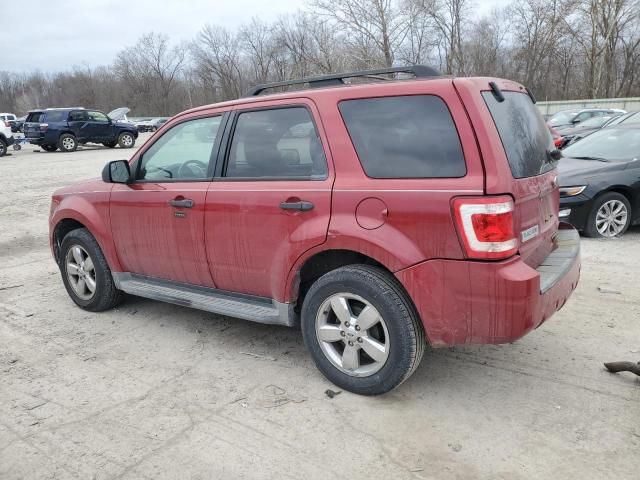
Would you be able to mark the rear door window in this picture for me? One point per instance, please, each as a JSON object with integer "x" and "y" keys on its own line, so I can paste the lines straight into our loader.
{"x": 56, "y": 116}
{"x": 525, "y": 137}
{"x": 404, "y": 137}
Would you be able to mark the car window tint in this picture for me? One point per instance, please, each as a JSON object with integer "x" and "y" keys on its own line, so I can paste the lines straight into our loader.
{"x": 97, "y": 117}
{"x": 56, "y": 116}
{"x": 78, "y": 116}
{"x": 525, "y": 137}
{"x": 404, "y": 137}
{"x": 35, "y": 117}
{"x": 182, "y": 153}
{"x": 278, "y": 143}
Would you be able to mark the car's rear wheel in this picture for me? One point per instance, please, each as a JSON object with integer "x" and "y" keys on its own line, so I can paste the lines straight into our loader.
{"x": 3, "y": 147}
{"x": 126, "y": 140}
{"x": 85, "y": 272}
{"x": 49, "y": 148}
{"x": 362, "y": 329}
{"x": 110, "y": 144}
{"x": 610, "y": 216}
{"x": 67, "y": 143}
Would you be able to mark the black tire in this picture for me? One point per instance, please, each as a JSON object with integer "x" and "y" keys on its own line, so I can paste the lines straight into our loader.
{"x": 406, "y": 338}
{"x": 67, "y": 143}
{"x": 110, "y": 144}
{"x": 106, "y": 295}
{"x": 126, "y": 140}
{"x": 49, "y": 148}
{"x": 3, "y": 147}
{"x": 591, "y": 229}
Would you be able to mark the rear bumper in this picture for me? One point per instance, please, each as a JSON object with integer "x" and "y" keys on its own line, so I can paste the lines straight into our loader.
{"x": 463, "y": 302}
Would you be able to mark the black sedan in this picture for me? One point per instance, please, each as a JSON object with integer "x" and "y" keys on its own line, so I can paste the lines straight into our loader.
{"x": 585, "y": 128}
{"x": 600, "y": 182}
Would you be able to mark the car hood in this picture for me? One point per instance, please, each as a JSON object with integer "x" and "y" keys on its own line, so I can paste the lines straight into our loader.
{"x": 93, "y": 185}
{"x": 573, "y": 171}
{"x": 119, "y": 113}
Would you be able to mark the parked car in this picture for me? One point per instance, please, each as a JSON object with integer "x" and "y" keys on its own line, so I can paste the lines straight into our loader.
{"x": 570, "y": 118}
{"x": 378, "y": 216}
{"x": 583, "y": 129}
{"x": 600, "y": 181}
{"x": 66, "y": 128}
{"x": 16, "y": 127}
{"x": 151, "y": 124}
{"x": 6, "y": 138}
{"x": 9, "y": 119}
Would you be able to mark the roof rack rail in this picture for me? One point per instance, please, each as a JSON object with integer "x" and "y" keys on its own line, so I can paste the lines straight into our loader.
{"x": 419, "y": 71}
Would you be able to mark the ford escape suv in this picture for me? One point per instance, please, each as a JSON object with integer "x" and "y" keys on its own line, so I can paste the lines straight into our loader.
{"x": 381, "y": 217}
{"x": 66, "y": 128}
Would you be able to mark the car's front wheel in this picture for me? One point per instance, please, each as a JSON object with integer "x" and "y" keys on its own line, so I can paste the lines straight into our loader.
{"x": 610, "y": 216}
{"x": 126, "y": 140}
{"x": 85, "y": 272}
{"x": 362, "y": 329}
{"x": 67, "y": 143}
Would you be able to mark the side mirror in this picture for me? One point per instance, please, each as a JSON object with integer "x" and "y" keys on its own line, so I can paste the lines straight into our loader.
{"x": 117, "y": 171}
{"x": 575, "y": 121}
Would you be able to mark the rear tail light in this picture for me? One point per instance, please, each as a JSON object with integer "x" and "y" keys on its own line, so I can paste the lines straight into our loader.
{"x": 6, "y": 123}
{"x": 44, "y": 127}
{"x": 486, "y": 227}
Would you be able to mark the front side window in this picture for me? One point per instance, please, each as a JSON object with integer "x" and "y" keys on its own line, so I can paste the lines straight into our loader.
{"x": 182, "y": 153}
{"x": 98, "y": 117}
{"x": 278, "y": 143}
{"x": 404, "y": 137}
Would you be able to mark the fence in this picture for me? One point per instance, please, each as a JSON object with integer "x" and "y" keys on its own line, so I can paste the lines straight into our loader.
{"x": 631, "y": 104}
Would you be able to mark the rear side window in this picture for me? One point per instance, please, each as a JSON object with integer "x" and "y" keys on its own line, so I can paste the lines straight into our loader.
{"x": 525, "y": 137}
{"x": 78, "y": 116}
{"x": 404, "y": 137}
{"x": 56, "y": 116}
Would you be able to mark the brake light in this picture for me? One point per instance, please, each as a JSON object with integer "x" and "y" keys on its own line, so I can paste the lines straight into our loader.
{"x": 6, "y": 123}
{"x": 44, "y": 127}
{"x": 485, "y": 226}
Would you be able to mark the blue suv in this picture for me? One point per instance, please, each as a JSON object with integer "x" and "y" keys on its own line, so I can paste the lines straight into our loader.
{"x": 65, "y": 128}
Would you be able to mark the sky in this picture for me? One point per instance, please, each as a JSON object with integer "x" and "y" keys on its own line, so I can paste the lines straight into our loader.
{"x": 56, "y": 35}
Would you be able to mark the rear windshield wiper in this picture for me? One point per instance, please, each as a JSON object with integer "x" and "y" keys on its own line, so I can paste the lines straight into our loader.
{"x": 599, "y": 159}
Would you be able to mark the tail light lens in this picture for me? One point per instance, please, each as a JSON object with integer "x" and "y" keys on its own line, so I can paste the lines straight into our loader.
{"x": 6, "y": 123}
{"x": 486, "y": 227}
{"x": 44, "y": 127}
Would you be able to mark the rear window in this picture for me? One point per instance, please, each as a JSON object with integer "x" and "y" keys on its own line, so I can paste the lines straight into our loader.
{"x": 56, "y": 116}
{"x": 35, "y": 117}
{"x": 404, "y": 137}
{"x": 525, "y": 137}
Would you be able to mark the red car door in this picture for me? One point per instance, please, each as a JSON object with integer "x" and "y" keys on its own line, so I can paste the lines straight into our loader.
{"x": 271, "y": 199}
{"x": 157, "y": 221}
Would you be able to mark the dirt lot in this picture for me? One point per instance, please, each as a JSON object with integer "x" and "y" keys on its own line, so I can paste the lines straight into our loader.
{"x": 162, "y": 392}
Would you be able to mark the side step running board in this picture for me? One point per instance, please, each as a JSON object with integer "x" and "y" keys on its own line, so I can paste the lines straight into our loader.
{"x": 247, "y": 307}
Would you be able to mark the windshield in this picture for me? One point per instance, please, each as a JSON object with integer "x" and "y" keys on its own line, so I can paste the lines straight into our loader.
{"x": 562, "y": 118}
{"x": 596, "y": 121}
{"x": 627, "y": 119}
{"x": 610, "y": 143}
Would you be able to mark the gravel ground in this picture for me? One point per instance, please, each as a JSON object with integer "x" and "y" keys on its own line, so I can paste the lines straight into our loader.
{"x": 162, "y": 392}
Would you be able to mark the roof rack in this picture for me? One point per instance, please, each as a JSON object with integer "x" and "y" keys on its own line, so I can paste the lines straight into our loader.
{"x": 418, "y": 71}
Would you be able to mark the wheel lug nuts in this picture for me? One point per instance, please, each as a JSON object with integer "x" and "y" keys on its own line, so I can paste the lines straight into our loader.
{"x": 351, "y": 344}
{"x": 358, "y": 328}
{"x": 347, "y": 324}
{"x": 359, "y": 339}
{"x": 342, "y": 333}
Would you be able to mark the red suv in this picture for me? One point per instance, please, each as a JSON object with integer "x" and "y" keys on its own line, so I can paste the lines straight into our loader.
{"x": 378, "y": 216}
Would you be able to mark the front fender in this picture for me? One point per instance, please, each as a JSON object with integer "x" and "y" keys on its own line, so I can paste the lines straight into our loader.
{"x": 92, "y": 211}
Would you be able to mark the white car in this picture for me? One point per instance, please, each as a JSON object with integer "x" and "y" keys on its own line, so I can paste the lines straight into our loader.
{"x": 6, "y": 137}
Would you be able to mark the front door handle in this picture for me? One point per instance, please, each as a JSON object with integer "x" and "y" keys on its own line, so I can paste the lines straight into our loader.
{"x": 181, "y": 203}
{"x": 300, "y": 205}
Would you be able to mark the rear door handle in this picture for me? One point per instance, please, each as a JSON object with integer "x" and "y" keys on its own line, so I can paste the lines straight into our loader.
{"x": 300, "y": 205}
{"x": 181, "y": 203}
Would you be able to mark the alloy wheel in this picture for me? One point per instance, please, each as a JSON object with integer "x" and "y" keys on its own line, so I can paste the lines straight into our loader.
{"x": 127, "y": 140}
{"x": 68, "y": 143}
{"x": 81, "y": 272}
{"x": 352, "y": 335}
{"x": 611, "y": 218}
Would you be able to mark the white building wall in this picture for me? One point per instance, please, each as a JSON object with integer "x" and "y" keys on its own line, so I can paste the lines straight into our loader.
{"x": 631, "y": 104}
